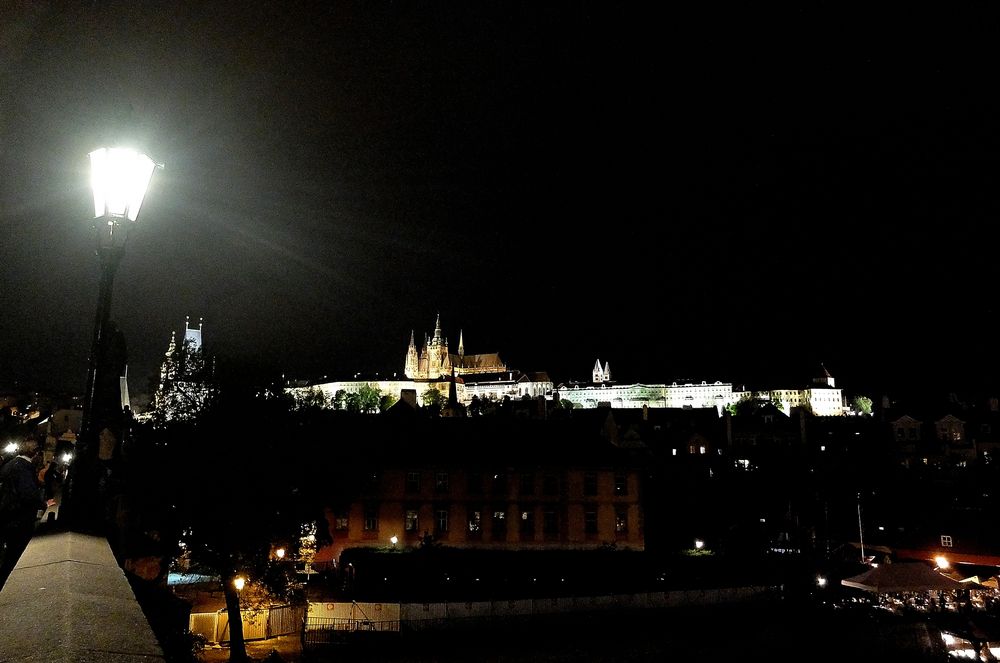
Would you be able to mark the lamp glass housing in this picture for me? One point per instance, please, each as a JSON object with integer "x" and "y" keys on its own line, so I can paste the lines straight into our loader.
{"x": 119, "y": 177}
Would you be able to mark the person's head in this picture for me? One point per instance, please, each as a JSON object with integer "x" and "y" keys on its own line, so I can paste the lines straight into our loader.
{"x": 28, "y": 447}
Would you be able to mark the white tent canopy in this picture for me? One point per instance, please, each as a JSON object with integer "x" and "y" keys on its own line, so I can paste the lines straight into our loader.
{"x": 902, "y": 577}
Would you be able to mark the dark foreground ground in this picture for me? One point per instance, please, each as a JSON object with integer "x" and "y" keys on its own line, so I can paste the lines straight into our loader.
{"x": 777, "y": 631}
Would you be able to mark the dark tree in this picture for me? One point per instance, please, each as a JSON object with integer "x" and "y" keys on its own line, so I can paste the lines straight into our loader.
{"x": 234, "y": 477}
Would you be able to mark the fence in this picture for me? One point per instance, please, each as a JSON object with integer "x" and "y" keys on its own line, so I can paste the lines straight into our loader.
{"x": 334, "y": 623}
{"x": 257, "y": 624}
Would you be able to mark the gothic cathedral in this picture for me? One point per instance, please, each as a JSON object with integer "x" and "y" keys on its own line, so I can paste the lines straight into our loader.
{"x": 434, "y": 361}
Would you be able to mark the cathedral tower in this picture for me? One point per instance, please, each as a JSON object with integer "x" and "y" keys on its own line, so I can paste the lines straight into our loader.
{"x": 412, "y": 365}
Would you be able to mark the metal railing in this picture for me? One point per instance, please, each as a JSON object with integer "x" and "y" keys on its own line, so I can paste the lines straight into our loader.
{"x": 337, "y": 630}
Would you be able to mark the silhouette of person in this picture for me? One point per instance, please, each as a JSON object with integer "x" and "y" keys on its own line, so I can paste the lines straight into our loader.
{"x": 20, "y": 501}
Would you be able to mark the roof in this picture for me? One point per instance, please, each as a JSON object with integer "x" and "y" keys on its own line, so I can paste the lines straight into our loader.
{"x": 476, "y": 441}
{"x": 489, "y": 360}
{"x": 901, "y": 577}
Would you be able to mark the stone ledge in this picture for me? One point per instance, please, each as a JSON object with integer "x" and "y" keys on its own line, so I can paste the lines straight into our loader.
{"x": 67, "y": 600}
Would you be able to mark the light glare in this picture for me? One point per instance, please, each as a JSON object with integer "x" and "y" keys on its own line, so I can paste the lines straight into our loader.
{"x": 119, "y": 178}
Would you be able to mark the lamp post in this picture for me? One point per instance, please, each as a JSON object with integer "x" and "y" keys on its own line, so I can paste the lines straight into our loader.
{"x": 119, "y": 178}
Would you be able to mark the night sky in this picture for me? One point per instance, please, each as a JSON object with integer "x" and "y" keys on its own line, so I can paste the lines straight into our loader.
{"x": 718, "y": 196}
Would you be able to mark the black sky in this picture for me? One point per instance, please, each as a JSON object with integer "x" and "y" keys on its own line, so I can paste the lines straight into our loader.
{"x": 682, "y": 194}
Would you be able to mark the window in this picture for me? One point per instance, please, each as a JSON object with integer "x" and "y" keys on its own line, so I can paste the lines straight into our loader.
{"x": 550, "y": 484}
{"x": 701, "y": 450}
{"x": 475, "y": 483}
{"x": 441, "y": 519}
{"x": 341, "y": 521}
{"x": 621, "y": 519}
{"x": 527, "y": 524}
{"x": 441, "y": 482}
{"x": 411, "y": 521}
{"x": 946, "y": 541}
{"x": 527, "y": 483}
{"x": 621, "y": 483}
{"x": 475, "y": 522}
{"x": 371, "y": 517}
{"x": 589, "y": 483}
{"x": 912, "y": 433}
{"x": 590, "y": 519}
{"x": 550, "y": 523}
{"x": 412, "y": 482}
{"x": 499, "y": 525}
{"x": 900, "y": 433}
{"x": 498, "y": 481}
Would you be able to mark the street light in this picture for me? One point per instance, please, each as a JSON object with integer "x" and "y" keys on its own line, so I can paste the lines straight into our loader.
{"x": 119, "y": 178}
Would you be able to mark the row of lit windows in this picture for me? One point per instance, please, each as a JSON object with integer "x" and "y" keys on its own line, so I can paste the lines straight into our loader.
{"x": 943, "y": 433}
{"x": 474, "y": 520}
{"x": 498, "y": 483}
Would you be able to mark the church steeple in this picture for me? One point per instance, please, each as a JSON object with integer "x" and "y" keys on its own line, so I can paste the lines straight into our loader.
{"x": 437, "y": 330}
{"x": 411, "y": 365}
{"x": 461, "y": 344}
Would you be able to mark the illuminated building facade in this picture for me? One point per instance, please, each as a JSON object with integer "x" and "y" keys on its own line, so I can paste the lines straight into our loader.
{"x": 184, "y": 389}
{"x": 434, "y": 360}
{"x": 494, "y": 484}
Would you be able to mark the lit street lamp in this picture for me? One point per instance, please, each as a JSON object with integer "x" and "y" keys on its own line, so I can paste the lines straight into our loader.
{"x": 119, "y": 178}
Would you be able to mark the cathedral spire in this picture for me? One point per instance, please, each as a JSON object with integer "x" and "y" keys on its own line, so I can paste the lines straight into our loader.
{"x": 461, "y": 344}
{"x": 437, "y": 329}
{"x": 411, "y": 365}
